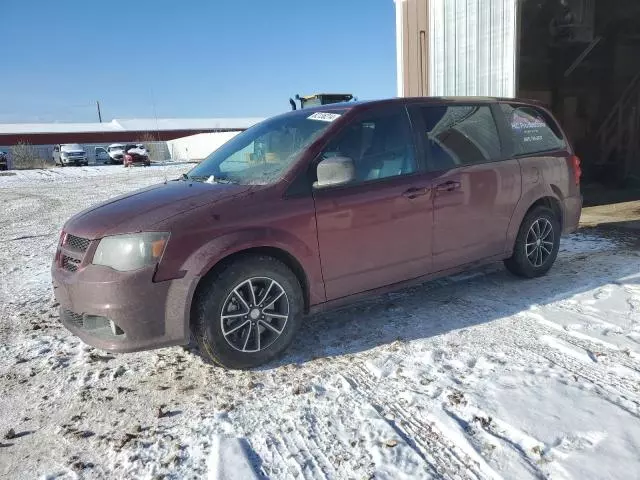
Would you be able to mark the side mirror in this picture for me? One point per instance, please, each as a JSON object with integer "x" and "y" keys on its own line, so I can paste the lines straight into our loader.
{"x": 335, "y": 171}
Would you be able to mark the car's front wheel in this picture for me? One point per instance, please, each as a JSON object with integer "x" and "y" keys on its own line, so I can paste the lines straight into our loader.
{"x": 247, "y": 313}
{"x": 537, "y": 244}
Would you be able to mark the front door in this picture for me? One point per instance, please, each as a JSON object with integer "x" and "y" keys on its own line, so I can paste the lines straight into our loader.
{"x": 101, "y": 154}
{"x": 475, "y": 188}
{"x": 375, "y": 231}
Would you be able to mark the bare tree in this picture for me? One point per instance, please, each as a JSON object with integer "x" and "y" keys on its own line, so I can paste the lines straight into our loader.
{"x": 25, "y": 156}
{"x": 153, "y": 146}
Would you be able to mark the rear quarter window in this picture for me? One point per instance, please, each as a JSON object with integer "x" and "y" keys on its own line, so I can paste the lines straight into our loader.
{"x": 533, "y": 130}
{"x": 458, "y": 135}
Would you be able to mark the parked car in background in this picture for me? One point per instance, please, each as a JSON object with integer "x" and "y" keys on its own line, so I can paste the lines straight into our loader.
{"x": 101, "y": 155}
{"x": 314, "y": 209}
{"x": 116, "y": 153}
{"x": 136, "y": 154}
{"x": 69, "y": 154}
{"x": 4, "y": 160}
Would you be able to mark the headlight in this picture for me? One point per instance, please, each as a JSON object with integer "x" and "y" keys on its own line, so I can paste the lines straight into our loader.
{"x": 130, "y": 252}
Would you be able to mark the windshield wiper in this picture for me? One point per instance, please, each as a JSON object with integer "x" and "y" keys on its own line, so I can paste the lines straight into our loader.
{"x": 224, "y": 180}
{"x": 195, "y": 178}
{"x": 206, "y": 179}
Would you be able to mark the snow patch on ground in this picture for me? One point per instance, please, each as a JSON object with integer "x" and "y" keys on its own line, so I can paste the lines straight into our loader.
{"x": 480, "y": 375}
{"x": 231, "y": 459}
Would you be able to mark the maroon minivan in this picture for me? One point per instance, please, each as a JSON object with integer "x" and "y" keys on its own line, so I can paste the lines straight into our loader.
{"x": 313, "y": 209}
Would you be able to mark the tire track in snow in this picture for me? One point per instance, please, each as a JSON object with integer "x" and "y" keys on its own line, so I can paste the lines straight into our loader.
{"x": 297, "y": 450}
{"x": 506, "y": 434}
{"x": 616, "y": 393}
{"x": 622, "y": 392}
{"x": 443, "y": 457}
{"x": 595, "y": 348}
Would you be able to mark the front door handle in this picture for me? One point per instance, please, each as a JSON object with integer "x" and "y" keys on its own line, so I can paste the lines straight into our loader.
{"x": 415, "y": 192}
{"x": 449, "y": 186}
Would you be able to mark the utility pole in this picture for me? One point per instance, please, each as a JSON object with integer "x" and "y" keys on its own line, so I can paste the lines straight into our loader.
{"x": 99, "y": 114}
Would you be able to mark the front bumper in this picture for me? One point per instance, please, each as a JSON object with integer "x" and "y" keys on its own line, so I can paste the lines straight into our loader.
{"x": 73, "y": 160}
{"x": 122, "y": 311}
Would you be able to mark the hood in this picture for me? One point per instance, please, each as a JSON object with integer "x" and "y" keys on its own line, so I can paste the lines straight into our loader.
{"x": 71, "y": 149}
{"x": 141, "y": 210}
{"x": 139, "y": 151}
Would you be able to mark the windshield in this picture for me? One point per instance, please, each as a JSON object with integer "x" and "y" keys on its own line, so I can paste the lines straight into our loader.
{"x": 70, "y": 147}
{"x": 263, "y": 153}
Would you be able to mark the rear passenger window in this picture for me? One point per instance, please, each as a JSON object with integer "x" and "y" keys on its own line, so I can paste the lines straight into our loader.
{"x": 533, "y": 131}
{"x": 459, "y": 135}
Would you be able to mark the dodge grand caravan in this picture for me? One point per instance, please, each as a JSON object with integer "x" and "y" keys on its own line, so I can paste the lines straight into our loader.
{"x": 313, "y": 209}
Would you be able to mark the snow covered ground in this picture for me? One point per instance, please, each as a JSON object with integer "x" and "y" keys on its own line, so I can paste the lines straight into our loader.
{"x": 481, "y": 375}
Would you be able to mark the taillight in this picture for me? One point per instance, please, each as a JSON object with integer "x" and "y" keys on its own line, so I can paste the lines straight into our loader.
{"x": 577, "y": 170}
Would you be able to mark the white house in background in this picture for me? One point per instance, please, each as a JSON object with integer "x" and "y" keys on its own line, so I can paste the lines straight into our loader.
{"x": 199, "y": 146}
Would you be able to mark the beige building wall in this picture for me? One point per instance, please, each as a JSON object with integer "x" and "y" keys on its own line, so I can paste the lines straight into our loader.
{"x": 457, "y": 47}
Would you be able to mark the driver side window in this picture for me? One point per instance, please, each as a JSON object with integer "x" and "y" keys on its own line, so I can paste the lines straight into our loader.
{"x": 380, "y": 146}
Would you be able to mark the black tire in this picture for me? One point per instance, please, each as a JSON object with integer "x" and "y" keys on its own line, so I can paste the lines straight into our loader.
{"x": 206, "y": 324}
{"x": 525, "y": 261}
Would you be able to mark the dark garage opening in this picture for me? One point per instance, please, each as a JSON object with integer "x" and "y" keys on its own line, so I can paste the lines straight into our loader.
{"x": 582, "y": 58}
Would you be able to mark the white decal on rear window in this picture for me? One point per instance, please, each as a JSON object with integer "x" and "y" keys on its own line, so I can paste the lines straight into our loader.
{"x": 324, "y": 116}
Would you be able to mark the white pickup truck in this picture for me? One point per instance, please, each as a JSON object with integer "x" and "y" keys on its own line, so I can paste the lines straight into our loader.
{"x": 69, "y": 154}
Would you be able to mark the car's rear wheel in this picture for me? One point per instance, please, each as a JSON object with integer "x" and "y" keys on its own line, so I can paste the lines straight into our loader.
{"x": 537, "y": 244}
{"x": 248, "y": 313}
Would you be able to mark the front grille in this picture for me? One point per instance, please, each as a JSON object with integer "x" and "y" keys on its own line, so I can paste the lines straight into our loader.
{"x": 76, "y": 243}
{"x": 69, "y": 263}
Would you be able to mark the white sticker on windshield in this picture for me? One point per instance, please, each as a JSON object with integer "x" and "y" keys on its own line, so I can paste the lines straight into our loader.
{"x": 324, "y": 116}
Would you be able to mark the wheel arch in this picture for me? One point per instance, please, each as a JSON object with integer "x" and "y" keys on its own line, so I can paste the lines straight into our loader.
{"x": 550, "y": 198}
{"x": 553, "y": 204}
{"x": 289, "y": 260}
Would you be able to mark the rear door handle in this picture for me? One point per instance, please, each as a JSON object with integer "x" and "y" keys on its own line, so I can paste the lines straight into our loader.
{"x": 415, "y": 192}
{"x": 449, "y": 186}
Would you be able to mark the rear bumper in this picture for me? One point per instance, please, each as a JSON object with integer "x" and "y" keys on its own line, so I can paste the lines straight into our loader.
{"x": 572, "y": 211}
{"x": 122, "y": 311}
{"x": 138, "y": 161}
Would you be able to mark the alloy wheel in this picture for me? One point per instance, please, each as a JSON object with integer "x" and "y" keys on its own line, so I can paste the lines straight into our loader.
{"x": 539, "y": 243}
{"x": 254, "y": 314}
